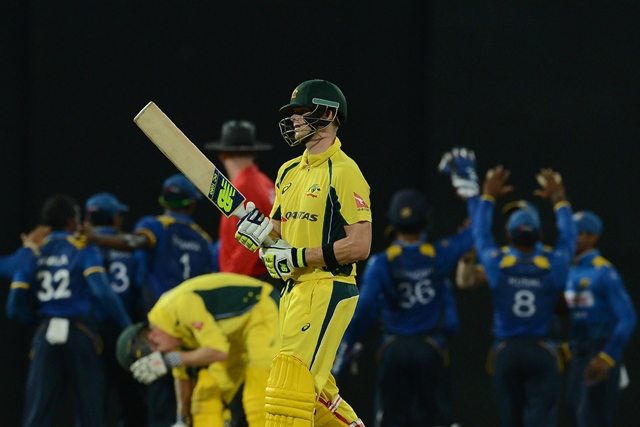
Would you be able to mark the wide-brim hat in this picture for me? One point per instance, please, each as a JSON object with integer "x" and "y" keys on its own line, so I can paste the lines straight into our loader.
{"x": 238, "y": 135}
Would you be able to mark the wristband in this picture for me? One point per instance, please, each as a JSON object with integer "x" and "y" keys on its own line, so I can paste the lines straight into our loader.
{"x": 298, "y": 257}
{"x": 329, "y": 256}
{"x": 604, "y": 356}
{"x": 561, "y": 204}
{"x": 173, "y": 359}
{"x": 488, "y": 197}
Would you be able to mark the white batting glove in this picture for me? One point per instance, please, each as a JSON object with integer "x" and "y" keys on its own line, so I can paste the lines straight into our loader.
{"x": 281, "y": 259}
{"x": 253, "y": 228}
{"x": 180, "y": 422}
{"x": 460, "y": 165}
{"x": 149, "y": 368}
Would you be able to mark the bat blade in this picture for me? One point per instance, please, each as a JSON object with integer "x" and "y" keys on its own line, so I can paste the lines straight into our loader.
{"x": 190, "y": 160}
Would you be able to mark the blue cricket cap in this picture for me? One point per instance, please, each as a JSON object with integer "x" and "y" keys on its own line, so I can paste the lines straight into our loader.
{"x": 588, "y": 222}
{"x": 105, "y": 202}
{"x": 178, "y": 192}
{"x": 516, "y": 205}
{"x": 408, "y": 208}
{"x": 524, "y": 221}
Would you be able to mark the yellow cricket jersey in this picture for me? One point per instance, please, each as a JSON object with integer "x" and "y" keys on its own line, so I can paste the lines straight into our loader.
{"x": 316, "y": 197}
{"x": 211, "y": 310}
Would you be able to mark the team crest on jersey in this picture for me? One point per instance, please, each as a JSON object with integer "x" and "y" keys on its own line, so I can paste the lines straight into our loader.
{"x": 585, "y": 282}
{"x": 360, "y": 203}
{"x": 197, "y": 325}
{"x": 313, "y": 191}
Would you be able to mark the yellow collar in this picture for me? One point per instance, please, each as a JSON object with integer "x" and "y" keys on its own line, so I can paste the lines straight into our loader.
{"x": 309, "y": 160}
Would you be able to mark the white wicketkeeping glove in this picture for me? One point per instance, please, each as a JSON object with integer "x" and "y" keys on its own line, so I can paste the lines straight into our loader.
{"x": 460, "y": 165}
{"x": 281, "y": 259}
{"x": 149, "y": 368}
{"x": 253, "y": 228}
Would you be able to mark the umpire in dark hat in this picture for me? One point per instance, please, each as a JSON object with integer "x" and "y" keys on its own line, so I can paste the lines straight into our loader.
{"x": 237, "y": 149}
{"x": 238, "y": 136}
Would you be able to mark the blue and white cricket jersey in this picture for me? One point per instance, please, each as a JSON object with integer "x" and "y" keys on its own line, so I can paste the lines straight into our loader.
{"x": 601, "y": 310}
{"x": 181, "y": 250}
{"x": 525, "y": 289}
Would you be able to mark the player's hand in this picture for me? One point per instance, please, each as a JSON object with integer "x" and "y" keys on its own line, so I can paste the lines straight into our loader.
{"x": 85, "y": 231}
{"x": 35, "y": 238}
{"x": 460, "y": 165}
{"x": 552, "y": 187}
{"x": 253, "y": 228}
{"x": 596, "y": 371}
{"x": 149, "y": 368}
{"x": 281, "y": 259}
{"x": 346, "y": 357}
{"x": 495, "y": 183}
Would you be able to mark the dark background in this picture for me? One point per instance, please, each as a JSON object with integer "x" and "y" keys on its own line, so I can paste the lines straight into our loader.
{"x": 525, "y": 84}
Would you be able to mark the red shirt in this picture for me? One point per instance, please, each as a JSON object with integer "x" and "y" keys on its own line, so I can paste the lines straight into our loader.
{"x": 233, "y": 257}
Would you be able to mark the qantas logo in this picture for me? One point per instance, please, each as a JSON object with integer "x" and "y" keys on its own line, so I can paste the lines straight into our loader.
{"x": 301, "y": 215}
{"x": 360, "y": 203}
{"x": 197, "y": 325}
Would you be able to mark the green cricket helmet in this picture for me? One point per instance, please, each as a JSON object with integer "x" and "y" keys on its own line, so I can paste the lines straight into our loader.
{"x": 132, "y": 344}
{"x": 317, "y": 96}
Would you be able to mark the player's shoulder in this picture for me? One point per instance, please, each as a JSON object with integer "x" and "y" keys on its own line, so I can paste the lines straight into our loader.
{"x": 600, "y": 262}
{"x": 147, "y": 221}
{"x": 342, "y": 160}
{"x": 202, "y": 232}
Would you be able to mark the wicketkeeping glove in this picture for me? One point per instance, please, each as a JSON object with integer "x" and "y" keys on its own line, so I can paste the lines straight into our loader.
{"x": 460, "y": 165}
{"x": 253, "y": 228}
{"x": 281, "y": 259}
{"x": 149, "y": 368}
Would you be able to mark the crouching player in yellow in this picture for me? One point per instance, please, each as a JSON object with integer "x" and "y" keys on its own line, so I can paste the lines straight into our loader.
{"x": 224, "y": 323}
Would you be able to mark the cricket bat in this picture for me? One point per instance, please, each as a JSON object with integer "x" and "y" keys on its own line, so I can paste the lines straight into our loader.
{"x": 191, "y": 161}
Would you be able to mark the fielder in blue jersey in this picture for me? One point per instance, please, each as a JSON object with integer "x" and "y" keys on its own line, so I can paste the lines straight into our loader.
{"x": 175, "y": 249}
{"x": 602, "y": 321}
{"x": 526, "y": 280}
{"x": 59, "y": 290}
{"x": 104, "y": 212}
{"x": 407, "y": 288}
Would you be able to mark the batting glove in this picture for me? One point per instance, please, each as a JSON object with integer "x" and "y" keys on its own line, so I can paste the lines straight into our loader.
{"x": 281, "y": 259}
{"x": 181, "y": 421}
{"x": 149, "y": 368}
{"x": 460, "y": 165}
{"x": 253, "y": 228}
